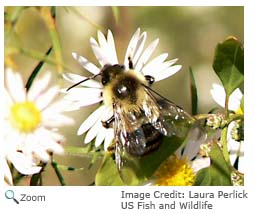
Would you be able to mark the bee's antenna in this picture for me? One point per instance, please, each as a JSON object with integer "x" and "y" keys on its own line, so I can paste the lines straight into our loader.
{"x": 88, "y": 78}
{"x": 130, "y": 63}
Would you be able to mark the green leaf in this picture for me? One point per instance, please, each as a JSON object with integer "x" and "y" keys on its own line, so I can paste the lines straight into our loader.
{"x": 229, "y": 64}
{"x": 194, "y": 94}
{"x": 108, "y": 174}
{"x": 218, "y": 173}
{"x": 135, "y": 170}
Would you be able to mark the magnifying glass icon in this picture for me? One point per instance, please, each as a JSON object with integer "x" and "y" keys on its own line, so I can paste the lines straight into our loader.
{"x": 9, "y": 194}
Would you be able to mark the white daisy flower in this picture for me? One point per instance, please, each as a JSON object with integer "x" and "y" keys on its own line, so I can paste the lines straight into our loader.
{"x": 91, "y": 92}
{"x": 234, "y": 147}
{"x": 219, "y": 95}
{"x": 31, "y": 122}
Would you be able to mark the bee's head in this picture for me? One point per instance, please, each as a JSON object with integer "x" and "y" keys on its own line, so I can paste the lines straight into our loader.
{"x": 109, "y": 72}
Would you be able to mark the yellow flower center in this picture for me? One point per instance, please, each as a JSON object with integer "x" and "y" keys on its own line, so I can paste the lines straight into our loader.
{"x": 25, "y": 116}
{"x": 239, "y": 111}
{"x": 174, "y": 172}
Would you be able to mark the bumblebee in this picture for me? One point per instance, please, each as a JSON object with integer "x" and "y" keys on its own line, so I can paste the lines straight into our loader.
{"x": 141, "y": 117}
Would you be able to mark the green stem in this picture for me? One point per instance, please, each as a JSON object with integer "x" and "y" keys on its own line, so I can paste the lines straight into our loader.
{"x": 58, "y": 173}
{"x": 17, "y": 179}
{"x": 234, "y": 117}
{"x": 36, "y": 179}
{"x": 225, "y": 144}
{"x": 230, "y": 118}
{"x": 226, "y": 106}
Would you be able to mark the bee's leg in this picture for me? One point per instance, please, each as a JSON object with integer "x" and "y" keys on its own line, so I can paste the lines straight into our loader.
{"x": 150, "y": 80}
{"x": 130, "y": 63}
{"x": 107, "y": 124}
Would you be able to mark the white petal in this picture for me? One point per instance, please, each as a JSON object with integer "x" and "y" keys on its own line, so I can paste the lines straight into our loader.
{"x": 75, "y": 78}
{"x": 108, "y": 113}
{"x": 112, "y": 48}
{"x": 34, "y": 145}
{"x": 91, "y": 134}
{"x": 15, "y": 86}
{"x": 241, "y": 164}
{"x": 38, "y": 86}
{"x": 131, "y": 47}
{"x": 235, "y": 100}
{"x": 91, "y": 120}
{"x": 47, "y": 97}
{"x": 101, "y": 136}
{"x": 7, "y": 103}
{"x": 218, "y": 94}
{"x": 195, "y": 138}
{"x": 50, "y": 141}
{"x": 101, "y": 39}
{"x": 109, "y": 138}
{"x": 57, "y": 107}
{"x": 152, "y": 66}
{"x": 7, "y": 172}
{"x": 86, "y": 64}
{"x": 11, "y": 135}
{"x": 42, "y": 155}
{"x": 166, "y": 73}
{"x": 23, "y": 164}
{"x": 200, "y": 163}
{"x": 139, "y": 48}
{"x": 104, "y": 51}
{"x": 56, "y": 120}
{"x": 83, "y": 103}
{"x": 101, "y": 54}
{"x": 146, "y": 55}
{"x": 237, "y": 94}
{"x": 84, "y": 96}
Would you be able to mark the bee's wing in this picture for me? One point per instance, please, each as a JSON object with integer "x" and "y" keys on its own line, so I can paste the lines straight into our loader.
{"x": 129, "y": 135}
{"x": 171, "y": 119}
{"x": 128, "y": 142}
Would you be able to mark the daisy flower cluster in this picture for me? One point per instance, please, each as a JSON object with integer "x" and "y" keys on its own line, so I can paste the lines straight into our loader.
{"x": 31, "y": 122}
{"x": 105, "y": 52}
